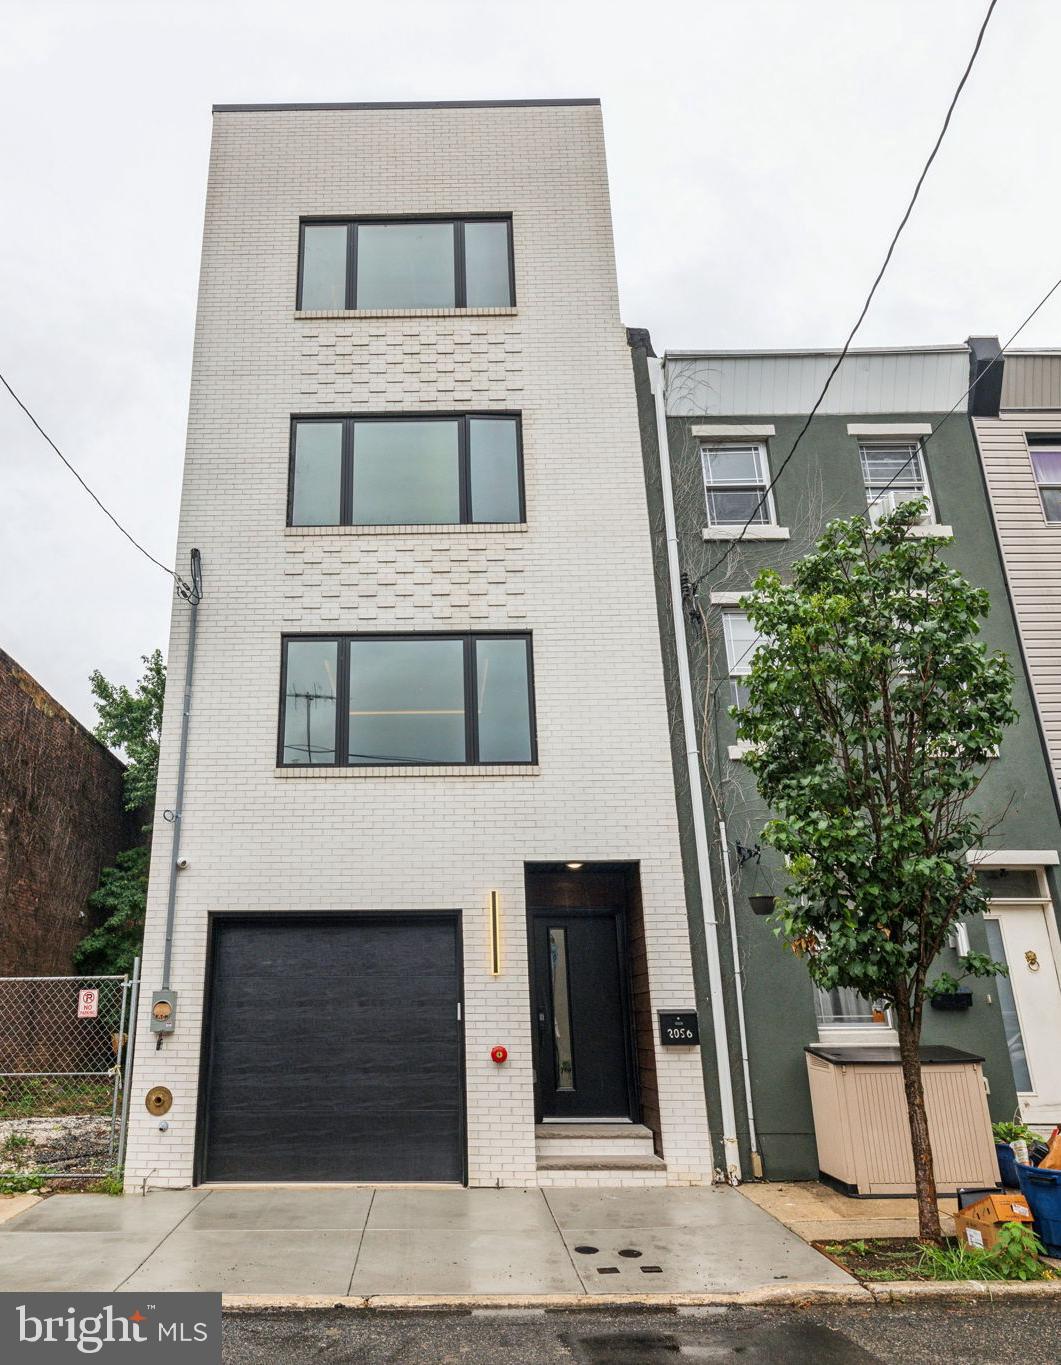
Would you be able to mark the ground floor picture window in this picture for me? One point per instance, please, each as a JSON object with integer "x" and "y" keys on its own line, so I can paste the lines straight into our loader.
{"x": 417, "y": 699}
{"x": 842, "y": 1007}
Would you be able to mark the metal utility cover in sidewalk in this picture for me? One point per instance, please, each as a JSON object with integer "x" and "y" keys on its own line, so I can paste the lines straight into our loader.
{"x": 333, "y": 1050}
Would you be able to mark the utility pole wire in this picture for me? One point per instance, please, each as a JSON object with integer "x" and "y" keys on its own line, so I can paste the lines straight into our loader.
{"x": 865, "y": 307}
{"x": 983, "y": 373}
{"x": 183, "y": 587}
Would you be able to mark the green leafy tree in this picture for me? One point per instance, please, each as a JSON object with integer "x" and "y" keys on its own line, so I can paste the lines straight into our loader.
{"x": 130, "y": 722}
{"x": 873, "y": 710}
{"x": 121, "y": 900}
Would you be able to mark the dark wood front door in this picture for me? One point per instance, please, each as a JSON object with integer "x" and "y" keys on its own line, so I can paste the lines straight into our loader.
{"x": 581, "y": 1015}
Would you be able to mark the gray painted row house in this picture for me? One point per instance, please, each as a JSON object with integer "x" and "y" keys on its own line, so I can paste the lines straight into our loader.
{"x": 729, "y": 418}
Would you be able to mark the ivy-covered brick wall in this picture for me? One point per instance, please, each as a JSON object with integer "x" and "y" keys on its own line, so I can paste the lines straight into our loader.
{"x": 61, "y": 820}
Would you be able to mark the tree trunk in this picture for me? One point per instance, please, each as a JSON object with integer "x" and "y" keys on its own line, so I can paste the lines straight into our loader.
{"x": 924, "y": 1176}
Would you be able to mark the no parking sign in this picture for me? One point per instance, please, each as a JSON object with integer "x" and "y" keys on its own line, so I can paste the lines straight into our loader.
{"x": 87, "y": 1004}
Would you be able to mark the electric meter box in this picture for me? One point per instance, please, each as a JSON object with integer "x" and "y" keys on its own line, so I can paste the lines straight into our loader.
{"x": 163, "y": 1011}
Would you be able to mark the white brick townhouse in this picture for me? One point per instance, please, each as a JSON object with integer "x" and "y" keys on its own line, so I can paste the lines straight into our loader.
{"x": 430, "y": 897}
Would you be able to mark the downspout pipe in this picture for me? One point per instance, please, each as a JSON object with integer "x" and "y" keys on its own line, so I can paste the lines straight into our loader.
{"x": 753, "y": 1137}
{"x": 193, "y": 595}
{"x": 730, "y": 1147}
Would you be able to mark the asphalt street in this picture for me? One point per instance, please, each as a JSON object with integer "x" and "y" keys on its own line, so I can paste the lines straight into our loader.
{"x": 1028, "y": 1333}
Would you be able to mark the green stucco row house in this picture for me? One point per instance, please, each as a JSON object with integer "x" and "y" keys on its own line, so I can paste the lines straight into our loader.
{"x": 715, "y": 427}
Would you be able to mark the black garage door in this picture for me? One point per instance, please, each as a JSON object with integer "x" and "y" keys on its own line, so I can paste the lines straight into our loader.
{"x": 333, "y": 1050}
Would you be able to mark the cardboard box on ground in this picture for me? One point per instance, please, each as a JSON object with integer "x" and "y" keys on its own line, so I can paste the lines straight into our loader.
{"x": 980, "y": 1224}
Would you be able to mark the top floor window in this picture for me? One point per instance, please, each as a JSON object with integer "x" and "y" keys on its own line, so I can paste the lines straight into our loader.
{"x": 735, "y": 480}
{"x": 1046, "y": 462}
{"x": 433, "y": 263}
{"x": 894, "y": 473}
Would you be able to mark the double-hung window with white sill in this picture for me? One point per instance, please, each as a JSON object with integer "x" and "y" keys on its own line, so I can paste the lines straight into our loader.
{"x": 736, "y": 478}
{"x": 742, "y": 640}
{"x": 894, "y": 473}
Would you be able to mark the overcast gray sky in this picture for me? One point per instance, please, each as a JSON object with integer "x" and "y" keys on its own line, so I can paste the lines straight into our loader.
{"x": 760, "y": 153}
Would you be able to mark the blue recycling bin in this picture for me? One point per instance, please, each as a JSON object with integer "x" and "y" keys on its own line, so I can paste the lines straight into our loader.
{"x": 1007, "y": 1166}
{"x": 1042, "y": 1189}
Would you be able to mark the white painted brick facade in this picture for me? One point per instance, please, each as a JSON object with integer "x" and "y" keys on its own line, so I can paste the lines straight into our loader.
{"x": 579, "y": 576}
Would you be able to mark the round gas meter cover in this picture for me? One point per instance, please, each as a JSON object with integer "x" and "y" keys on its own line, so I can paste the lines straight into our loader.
{"x": 158, "y": 1100}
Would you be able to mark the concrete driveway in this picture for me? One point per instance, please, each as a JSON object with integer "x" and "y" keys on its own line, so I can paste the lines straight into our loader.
{"x": 407, "y": 1241}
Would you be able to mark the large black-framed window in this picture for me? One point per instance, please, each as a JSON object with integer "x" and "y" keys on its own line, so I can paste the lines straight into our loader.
{"x": 371, "y": 263}
{"x": 386, "y": 699}
{"x": 460, "y": 468}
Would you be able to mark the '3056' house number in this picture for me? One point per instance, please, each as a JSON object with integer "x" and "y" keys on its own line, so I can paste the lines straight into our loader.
{"x": 679, "y": 1029}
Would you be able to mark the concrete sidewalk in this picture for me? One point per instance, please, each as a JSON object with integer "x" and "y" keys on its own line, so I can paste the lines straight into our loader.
{"x": 817, "y": 1213}
{"x": 408, "y": 1241}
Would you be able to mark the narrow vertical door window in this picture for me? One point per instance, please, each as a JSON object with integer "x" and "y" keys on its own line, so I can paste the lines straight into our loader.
{"x": 558, "y": 975}
{"x": 1007, "y": 1006}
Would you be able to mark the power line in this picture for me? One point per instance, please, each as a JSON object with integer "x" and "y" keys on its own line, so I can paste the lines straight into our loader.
{"x": 184, "y": 588}
{"x": 865, "y": 307}
{"x": 984, "y": 372}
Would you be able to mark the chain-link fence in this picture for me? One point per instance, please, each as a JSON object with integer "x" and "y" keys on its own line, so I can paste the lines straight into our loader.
{"x": 64, "y": 1056}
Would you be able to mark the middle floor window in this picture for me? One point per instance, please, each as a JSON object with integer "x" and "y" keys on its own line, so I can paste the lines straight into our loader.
{"x": 742, "y": 640}
{"x": 413, "y": 471}
{"x": 377, "y": 700}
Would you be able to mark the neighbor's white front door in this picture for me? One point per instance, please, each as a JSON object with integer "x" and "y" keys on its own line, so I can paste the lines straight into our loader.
{"x": 1030, "y": 1000}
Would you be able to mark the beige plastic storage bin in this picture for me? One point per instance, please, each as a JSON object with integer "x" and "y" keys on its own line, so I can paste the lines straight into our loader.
{"x": 861, "y": 1128}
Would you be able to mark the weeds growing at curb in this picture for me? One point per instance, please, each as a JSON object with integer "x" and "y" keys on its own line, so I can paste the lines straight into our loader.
{"x": 1014, "y": 1257}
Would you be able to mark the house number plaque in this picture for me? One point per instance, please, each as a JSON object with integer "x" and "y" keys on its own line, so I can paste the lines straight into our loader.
{"x": 679, "y": 1029}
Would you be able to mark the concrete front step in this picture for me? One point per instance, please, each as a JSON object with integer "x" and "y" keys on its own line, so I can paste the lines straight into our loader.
{"x": 597, "y": 1140}
{"x": 615, "y": 1170}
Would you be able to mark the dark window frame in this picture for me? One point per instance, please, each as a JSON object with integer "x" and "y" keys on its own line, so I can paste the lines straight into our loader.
{"x": 342, "y": 704}
{"x": 346, "y": 469}
{"x": 460, "y": 283}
